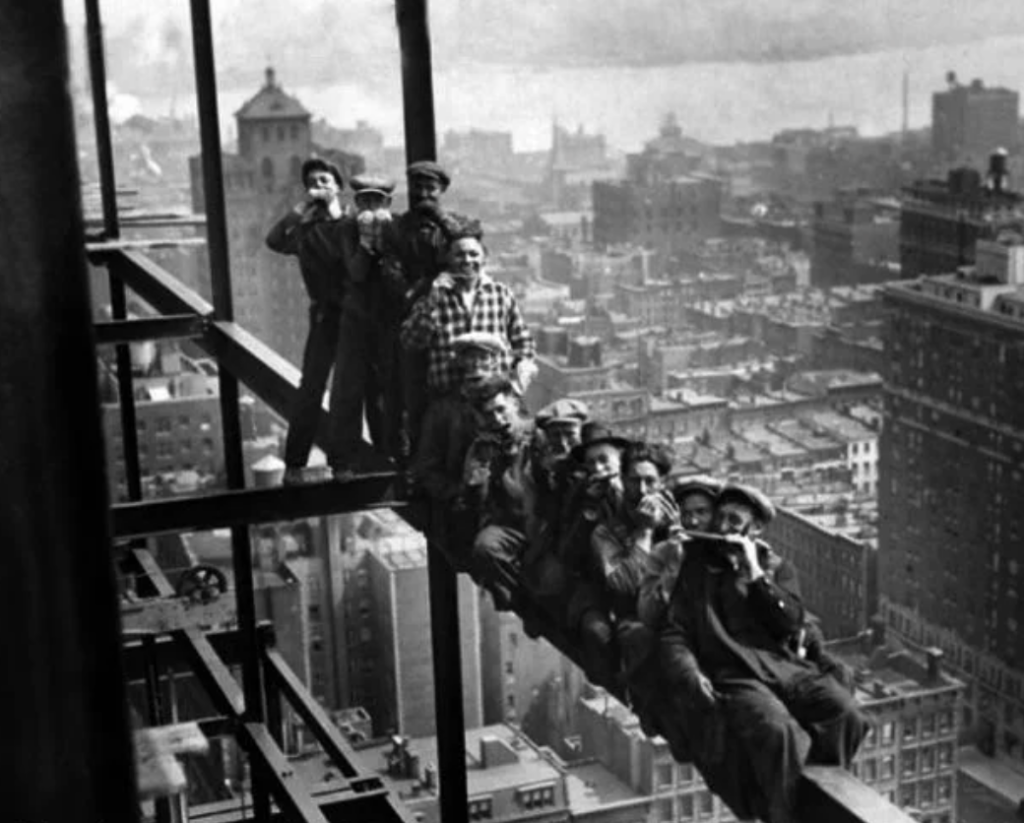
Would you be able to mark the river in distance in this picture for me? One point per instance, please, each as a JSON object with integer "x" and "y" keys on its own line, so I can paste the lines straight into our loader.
{"x": 720, "y": 103}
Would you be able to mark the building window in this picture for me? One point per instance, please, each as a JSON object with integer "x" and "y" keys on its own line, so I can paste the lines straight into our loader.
{"x": 944, "y": 789}
{"x": 909, "y": 729}
{"x": 927, "y": 759}
{"x": 686, "y": 774}
{"x": 945, "y": 755}
{"x": 664, "y": 776}
{"x": 707, "y": 804}
{"x": 888, "y": 767}
{"x": 870, "y": 770}
{"x": 543, "y": 796}
{"x": 908, "y": 795}
{"x": 945, "y": 722}
{"x": 926, "y": 794}
{"x": 163, "y": 425}
{"x": 927, "y": 725}
{"x": 908, "y": 763}
{"x": 686, "y": 807}
{"x": 665, "y": 814}
{"x": 888, "y": 733}
{"x": 481, "y": 808}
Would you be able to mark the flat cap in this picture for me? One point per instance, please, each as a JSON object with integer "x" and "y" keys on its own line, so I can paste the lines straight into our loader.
{"x": 369, "y": 183}
{"x": 596, "y": 433}
{"x": 684, "y": 486}
{"x": 481, "y": 340}
{"x": 319, "y": 164}
{"x": 748, "y": 496}
{"x": 565, "y": 411}
{"x": 429, "y": 169}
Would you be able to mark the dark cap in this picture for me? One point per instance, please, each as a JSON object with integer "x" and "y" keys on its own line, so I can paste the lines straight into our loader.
{"x": 369, "y": 183}
{"x": 685, "y": 486}
{"x": 319, "y": 164}
{"x": 748, "y": 496}
{"x": 563, "y": 412}
{"x": 430, "y": 170}
{"x": 595, "y": 433}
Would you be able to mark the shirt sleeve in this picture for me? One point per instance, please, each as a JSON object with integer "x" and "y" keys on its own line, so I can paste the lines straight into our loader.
{"x": 283, "y": 237}
{"x": 519, "y": 337}
{"x": 419, "y": 327}
{"x": 777, "y": 600}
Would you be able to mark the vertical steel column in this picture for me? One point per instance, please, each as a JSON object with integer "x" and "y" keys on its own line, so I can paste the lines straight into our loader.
{"x": 112, "y": 229}
{"x": 126, "y": 393}
{"x": 67, "y": 750}
{"x": 101, "y": 117}
{"x": 220, "y": 277}
{"x": 421, "y": 144}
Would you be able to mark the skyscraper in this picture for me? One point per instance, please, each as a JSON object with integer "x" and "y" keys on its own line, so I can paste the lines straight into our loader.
{"x": 970, "y": 122}
{"x": 951, "y": 554}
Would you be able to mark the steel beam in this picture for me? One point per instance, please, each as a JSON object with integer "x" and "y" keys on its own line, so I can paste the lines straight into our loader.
{"x": 154, "y": 284}
{"x": 142, "y": 244}
{"x": 150, "y": 328}
{"x": 421, "y": 144}
{"x": 101, "y": 117}
{"x": 250, "y": 506}
{"x": 126, "y": 395}
{"x": 67, "y": 751}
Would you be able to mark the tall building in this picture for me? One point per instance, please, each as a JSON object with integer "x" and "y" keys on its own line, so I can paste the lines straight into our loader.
{"x": 854, "y": 239}
{"x": 261, "y": 182}
{"x": 387, "y": 626}
{"x": 970, "y": 122}
{"x": 670, "y": 214}
{"x": 910, "y": 755}
{"x": 951, "y": 473}
{"x": 838, "y": 575}
{"x": 942, "y": 220}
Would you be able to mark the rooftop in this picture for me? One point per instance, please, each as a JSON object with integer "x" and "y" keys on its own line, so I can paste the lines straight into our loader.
{"x": 591, "y": 786}
{"x": 272, "y": 103}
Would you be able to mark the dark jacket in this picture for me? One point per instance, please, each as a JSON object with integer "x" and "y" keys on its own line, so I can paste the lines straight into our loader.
{"x": 719, "y": 624}
{"x": 319, "y": 244}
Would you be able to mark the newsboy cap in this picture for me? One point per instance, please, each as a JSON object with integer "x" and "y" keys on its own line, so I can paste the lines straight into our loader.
{"x": 429, "y": 169}
{"x": 748, "y": 496}
{"x": 480, "y": 340}
{"x": 596, "y": 433}
{"x": 695, "y": 484}
{"x": 319, "y": 164}
{"x": 369, "y": 183}
{"x": 565, "y": 412}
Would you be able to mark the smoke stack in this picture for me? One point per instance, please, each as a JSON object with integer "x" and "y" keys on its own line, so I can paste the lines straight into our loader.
{"x": 935, "y": 656}
{"x": 951, "y": 79}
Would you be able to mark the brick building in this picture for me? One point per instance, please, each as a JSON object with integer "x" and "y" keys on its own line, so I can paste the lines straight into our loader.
{"x": 952, "y": 479}
{"x": 970, "y": 122}
{"x": 854, "y": 239}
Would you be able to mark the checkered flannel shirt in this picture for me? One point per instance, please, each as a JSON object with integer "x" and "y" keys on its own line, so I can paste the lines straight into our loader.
{"x": 442, "y": 315}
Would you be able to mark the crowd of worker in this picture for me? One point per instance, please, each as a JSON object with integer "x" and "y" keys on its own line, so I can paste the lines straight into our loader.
{"x": 661, "y": 582}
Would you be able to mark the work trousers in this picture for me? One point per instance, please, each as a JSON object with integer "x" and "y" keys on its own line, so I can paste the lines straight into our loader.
{"x": 809, "y": 718}
{"x": 317, "y": 360}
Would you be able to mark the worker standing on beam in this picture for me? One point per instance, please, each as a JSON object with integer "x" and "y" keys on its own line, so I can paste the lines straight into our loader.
{"x": 307, "y": 232}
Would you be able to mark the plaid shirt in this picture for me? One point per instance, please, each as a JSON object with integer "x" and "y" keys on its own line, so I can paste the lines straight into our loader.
{"x": 443, "y": 315}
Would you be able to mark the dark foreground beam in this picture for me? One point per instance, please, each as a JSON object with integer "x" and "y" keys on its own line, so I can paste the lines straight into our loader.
{"x": 835, "y": 795}
{"x": 67, "y": 750}
{"x": 250, "y": 506}
{"x": 150, "y": 328}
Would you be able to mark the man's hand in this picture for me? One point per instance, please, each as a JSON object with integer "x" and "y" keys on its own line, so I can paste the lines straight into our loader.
{"x": 657, "y": 510}
{"x": 477, "y": 474}
{"x": 526, "y": 370}
{"x": 746, "y": 554}
{"x": 703, "y": 691}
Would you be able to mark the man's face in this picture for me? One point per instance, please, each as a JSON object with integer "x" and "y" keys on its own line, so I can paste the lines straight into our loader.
{"x": 500, "y": 412}
{"x": 424, "y": 190}
{"x": 735, "y": 518}
{"x": 372, "y": 201}
{"x": 603, "y": 460}
{"x": 321, "y": 184}
{"x": 466, "y": 258}
{"x": 477, "y": 364}
{"x": 642, "y": 478}
{"x": 562, "y": 438}
{"x": 696, "y": 511}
